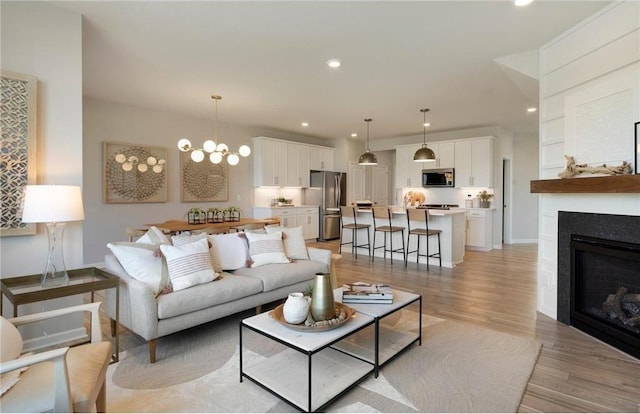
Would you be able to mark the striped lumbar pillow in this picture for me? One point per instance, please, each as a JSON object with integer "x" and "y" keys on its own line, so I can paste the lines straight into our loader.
{"x": 266, "y": 249}
{"x": 189, "y": 264}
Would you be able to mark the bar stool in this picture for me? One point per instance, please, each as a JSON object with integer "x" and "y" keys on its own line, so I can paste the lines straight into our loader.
{"x": 422, "y": 216}
{"x": 350, "y": 212}
{"x": 383, "y": 214}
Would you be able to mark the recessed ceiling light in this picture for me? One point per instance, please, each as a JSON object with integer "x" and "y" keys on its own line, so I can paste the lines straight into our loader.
{"x": 532, "y": 109}
{"x": 521, "y": 2}
{"x": 426, "y": 124}
{"x": 305, "y": 124}
{"x": 354, "y": 135}
{"x": 334, "y": 63}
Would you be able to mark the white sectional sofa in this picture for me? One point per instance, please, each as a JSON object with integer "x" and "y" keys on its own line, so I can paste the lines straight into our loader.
{"x": 153, "y": 316}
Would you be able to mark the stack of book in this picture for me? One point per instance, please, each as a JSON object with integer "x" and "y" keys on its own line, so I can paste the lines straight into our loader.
{"x": 360, "y": 292}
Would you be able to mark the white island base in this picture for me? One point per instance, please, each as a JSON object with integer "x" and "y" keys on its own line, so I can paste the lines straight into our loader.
{"x": 452, "y": 239}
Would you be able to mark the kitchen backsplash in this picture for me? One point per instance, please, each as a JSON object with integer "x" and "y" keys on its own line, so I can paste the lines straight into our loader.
{"x": 263, "y": 196}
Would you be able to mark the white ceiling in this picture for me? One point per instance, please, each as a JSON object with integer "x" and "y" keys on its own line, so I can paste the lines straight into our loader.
{"x": 267, "y": 60}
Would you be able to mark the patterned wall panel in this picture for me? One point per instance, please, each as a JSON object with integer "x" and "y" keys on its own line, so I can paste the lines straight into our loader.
{"x": 17, "y": 149}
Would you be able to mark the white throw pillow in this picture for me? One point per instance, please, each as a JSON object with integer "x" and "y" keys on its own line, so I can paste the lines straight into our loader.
{"x": 294, "y": 244}
{"x": 231, "y": 249}
{"x": 266, "y": 249}
{"x": 154, "y": 236}
{"x": 189, "y": 264}
{"x": 10, "y": 349}
{"x": 142, "y": 262}
{"x": 215, "y": 258}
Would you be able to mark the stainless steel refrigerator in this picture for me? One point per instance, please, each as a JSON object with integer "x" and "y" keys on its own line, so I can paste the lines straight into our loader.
{"x": 328, "y": 190}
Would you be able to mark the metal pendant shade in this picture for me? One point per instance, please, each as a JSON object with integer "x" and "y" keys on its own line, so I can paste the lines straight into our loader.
{"x": 368, "y": 157}
{"x": 424, "y": 154}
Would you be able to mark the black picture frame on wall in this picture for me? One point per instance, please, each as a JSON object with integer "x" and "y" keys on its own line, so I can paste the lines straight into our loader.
{"x": 636, "y": 149}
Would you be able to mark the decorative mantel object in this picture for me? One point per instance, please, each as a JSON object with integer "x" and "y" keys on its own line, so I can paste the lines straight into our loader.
{"x": 572, "y": 170}
{"x": 203, "y": 181}
{"x": 17, "y": 149}
{"x": 296, "y": 308}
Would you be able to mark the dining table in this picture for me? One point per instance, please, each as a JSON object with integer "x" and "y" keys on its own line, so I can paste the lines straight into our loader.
{"x": 179, "y": 226}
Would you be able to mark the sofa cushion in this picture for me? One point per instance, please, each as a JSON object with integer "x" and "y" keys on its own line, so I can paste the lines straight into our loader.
{"x": 266, "y": 249}
{"x": 232, "y": 250}
{"x": 142, "y": 262}
{"x": 154, "y": 236}
{"x": 179, "y": 240}
{"x": 226, "y": 288}
{"x": 189, "y": 264}
{"x": 293, "y": 238}
{"x": 274, "y": 276}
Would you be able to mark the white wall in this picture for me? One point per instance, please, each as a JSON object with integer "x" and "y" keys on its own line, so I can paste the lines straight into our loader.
{"x": 111, "y": 122}
{"x": 524, "y": 204}
{"x": 589, "y": 95}
{"x": 46, "y": 42}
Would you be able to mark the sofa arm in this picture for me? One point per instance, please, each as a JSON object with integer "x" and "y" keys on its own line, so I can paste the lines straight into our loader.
{"x": 138, "y": 306}
{"x": 320, "y": 255}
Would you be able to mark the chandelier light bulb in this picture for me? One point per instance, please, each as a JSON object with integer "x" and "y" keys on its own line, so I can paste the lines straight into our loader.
{"x": 215, "y": 157}
{"x": 222, "y": 147}
{"x": 184, "y": 145}
{"x": 197, "y": 155}
{"x": 209, "y": 146}
{"x": 244, "y": 150}
{"x": 233, "y": 159}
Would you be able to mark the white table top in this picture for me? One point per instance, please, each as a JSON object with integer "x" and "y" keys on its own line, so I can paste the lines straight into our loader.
{"x": 307, "y": 340}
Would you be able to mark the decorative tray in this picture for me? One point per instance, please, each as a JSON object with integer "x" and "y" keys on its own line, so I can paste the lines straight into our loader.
{"x": 278, "y": 316}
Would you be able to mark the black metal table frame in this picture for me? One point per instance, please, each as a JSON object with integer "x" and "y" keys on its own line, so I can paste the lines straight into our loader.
{"x": 110, "y": 281}
{"x": 378, "y": 318}
{"x": 309, "y": 355}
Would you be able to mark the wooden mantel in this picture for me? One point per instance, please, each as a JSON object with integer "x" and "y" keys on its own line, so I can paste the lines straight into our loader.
{"x": 607, "y": 184}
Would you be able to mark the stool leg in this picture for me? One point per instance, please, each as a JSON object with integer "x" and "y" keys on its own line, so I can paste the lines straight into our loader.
{"x": 355, "y": 241}
{"x": 427, "y": 252}
{"x": 404, "y": 250}
{"x": 439, "y": 251}
{"x": 418, "y": 251}
{"x": 373, "y": 253}
{"x": 368, "y": 241}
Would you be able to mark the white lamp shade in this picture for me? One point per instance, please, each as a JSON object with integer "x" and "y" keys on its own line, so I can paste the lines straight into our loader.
{"x": 52, "y": 203}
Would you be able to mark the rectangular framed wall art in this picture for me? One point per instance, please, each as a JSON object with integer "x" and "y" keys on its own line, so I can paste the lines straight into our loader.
{"x": 134, "y": 173}
{"x": 18, "y": 119}
{"x": 203, "y": 181}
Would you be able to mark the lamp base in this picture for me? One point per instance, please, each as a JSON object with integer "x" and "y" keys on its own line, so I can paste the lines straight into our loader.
{"x": 55, "y": 272}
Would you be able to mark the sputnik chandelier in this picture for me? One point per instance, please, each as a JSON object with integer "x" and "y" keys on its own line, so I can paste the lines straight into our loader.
{"x": 217, "y": 152}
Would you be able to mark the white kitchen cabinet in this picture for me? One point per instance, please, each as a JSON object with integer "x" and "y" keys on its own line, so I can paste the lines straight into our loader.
{"x": 269, "y": 162}
{"x": 480, "y": 229}
{"x": 408, "y": 172}
{"x": 308, "y": 217}
{"x": 444, "y": 155}
{"x": 321, "y": 158}
{"x": 474, "y": 163}
{"x": 297, "y": 165}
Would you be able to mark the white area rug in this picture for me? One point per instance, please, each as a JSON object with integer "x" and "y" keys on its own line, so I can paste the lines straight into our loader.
{"x": 458, "y": 368}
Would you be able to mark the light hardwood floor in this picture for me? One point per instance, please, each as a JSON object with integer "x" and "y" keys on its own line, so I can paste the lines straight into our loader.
{"x": 497, "y": 290}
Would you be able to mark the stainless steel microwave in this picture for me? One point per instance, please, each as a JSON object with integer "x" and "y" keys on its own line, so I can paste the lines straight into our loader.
{"x": 438, "y": 177}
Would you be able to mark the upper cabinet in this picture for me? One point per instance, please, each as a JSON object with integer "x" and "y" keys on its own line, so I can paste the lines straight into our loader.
{"x": 269, "y": 168}
{"x": 474, "y": 163}
{"x": 444, "y": 155}
{"x": 471, "y": 158}
{"x": 408, "y": 172}
{"x": 321, "y": 158}
{"x": 287, "y": 164}
{"x": 297, "y": 165}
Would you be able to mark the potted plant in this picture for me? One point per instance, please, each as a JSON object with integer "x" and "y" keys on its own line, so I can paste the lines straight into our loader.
{"x": 282, "y": 201}
{"x": 485, "y": 198}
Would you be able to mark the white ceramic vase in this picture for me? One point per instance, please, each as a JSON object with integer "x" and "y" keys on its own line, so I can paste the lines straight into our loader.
{"x": 296, "y": 308}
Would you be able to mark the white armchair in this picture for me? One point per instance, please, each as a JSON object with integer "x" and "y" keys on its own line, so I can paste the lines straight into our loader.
{"x": 60, "y": 380}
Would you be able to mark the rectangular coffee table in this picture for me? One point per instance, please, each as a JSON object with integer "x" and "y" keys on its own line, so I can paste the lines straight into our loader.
{"x": 390, "y": 338}
{"x": 309, "y": 372}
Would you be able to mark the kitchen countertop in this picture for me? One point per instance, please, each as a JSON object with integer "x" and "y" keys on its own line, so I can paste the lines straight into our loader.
{"x": 432, "y": 211}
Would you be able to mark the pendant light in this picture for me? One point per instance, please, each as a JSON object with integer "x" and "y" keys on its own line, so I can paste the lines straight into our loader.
{"x": 424, "y": 154}
{"x": 368, "y": 157}
{"x": 217, "y": 152}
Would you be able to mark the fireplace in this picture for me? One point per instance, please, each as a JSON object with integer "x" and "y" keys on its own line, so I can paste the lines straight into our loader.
{"x": 599, "y": 277}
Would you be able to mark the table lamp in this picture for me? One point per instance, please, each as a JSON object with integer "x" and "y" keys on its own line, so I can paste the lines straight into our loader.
{"x": 53, "y": 205}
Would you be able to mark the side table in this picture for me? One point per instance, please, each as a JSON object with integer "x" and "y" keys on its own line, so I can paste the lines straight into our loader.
{"x": 27, "y": 289}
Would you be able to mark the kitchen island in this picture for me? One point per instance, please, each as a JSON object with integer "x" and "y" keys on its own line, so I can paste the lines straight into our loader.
{"x": 452, "y": 238}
